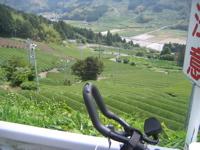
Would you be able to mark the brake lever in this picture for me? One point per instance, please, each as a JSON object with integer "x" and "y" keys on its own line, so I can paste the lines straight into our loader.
{"x": 150, "y": 141}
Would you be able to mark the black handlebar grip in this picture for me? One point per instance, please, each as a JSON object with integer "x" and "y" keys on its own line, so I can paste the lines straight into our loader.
{"x": 100, "y": 102}
{"x": 91, "y": 93}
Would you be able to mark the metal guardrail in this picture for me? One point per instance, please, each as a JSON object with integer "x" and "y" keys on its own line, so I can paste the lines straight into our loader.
{"x": 17, "y": 136}
{"x": 23, "y": 137}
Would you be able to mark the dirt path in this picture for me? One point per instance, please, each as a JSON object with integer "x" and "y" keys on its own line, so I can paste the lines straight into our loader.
{"x": 162, "y": 28}
{"x": 43, "y": 75}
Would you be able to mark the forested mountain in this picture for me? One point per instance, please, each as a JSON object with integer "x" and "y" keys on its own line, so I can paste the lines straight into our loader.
{"x": 19, "y": 24}
{"x": 92, "y": 10}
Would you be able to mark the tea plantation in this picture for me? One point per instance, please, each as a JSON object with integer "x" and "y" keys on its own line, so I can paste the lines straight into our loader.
{"x": 150, "y": 88}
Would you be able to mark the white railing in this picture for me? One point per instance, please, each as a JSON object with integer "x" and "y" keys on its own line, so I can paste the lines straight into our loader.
{"x": 16, "y": 136}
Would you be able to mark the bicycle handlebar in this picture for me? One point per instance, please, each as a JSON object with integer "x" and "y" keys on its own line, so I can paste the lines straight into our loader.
{"x": 90, "y": 91}
{"x": 90, "y": 95}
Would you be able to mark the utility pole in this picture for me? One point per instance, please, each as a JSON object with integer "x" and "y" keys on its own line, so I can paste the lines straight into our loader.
{"x": 32, "y": 59}
{"x": 99, "y": 52}
{"x": 119, "y": 53}
{"x": 81, "y": 51}
{"x": 66, "y": 61}
{"x": 28, "y": 43}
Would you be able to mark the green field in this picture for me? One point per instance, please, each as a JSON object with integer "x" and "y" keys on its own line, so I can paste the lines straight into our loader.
{"x": 151, "y": 88}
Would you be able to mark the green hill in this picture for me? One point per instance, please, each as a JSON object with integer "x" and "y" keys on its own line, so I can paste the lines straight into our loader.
{"x": 111, "y": 13}
{"x": 15, "y": 23}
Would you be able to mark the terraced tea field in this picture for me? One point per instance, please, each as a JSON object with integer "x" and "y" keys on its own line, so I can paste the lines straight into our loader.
{"x": 139, "y": 92}
{"x": 151, "y": 88}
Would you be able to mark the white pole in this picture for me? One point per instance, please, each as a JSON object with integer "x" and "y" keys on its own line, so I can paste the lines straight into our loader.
{"x": 36, "y": 71}
{"x": 81, "y": 51}
{"x": 194, "y": 120}
{"x": 32, "y": 61}
{"x": 28, "y": 42}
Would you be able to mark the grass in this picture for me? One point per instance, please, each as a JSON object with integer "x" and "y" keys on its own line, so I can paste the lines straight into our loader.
{"x": 72, "y": 50}
{"x": 152, "y": 87}
{"x": 45, "y": 60}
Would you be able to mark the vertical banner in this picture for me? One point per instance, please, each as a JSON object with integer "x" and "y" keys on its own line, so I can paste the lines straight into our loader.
{"x": 192, "y": 70}
{"x": 192, "y": 54}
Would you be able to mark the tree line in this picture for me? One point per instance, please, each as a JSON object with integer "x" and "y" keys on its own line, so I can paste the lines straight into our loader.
{"x": 173, "y": 51}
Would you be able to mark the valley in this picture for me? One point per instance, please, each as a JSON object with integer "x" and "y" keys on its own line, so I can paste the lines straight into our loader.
{"x": 142, "y": 56}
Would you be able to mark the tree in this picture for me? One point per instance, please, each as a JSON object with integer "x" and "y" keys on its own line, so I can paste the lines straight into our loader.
{"x": 17, "y": 71}
{"x": 2, "y": 75}
{"x": 26, "y": 30}
{"x": 88, "y": 69}
{"x": 11, "y": 65}
{"x": 6, "y": 22}
{"x": 109, "y": 38}
{"x": 116, "y": 38}
{"x": 168, "y": 57}
{"x": 20, "y": 75}
{"x": 140, "y": 54}
{"x": 180, "y": 58}
{"x": 165, "y": 51}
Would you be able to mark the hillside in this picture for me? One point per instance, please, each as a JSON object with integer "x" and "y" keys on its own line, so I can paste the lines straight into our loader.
{"x": 133, "y": 92}
{"x": 152, "y": 23}
{"x": 15, "y": 23}
{"x": 154, "y": 12}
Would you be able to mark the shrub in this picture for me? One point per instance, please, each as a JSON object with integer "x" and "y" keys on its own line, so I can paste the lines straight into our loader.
{"x": 125, "y": 61}
{"x": 20, "y": 75}
{"x": 31, "y": 75}
{"x": 11, "y": 65}
{"x": 166, "y": 51}
{"x": 88, "y": 69}
{"x": 118, "y": 60}
{"x": 133, "y": 64}
{"x": 67, "y": 82}
{"x": 29, "y": 85}
{"x": 181, "y": 57}
{"x": 3, "y": 74}
{"x": 168, "y": 57}
{"x": 152, "y": 56}
{"x": 140, "y": 54}
{"x": 17, "y": 71}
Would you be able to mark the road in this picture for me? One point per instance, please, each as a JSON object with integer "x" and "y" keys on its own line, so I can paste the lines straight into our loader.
{"x": 145, "y": 39}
